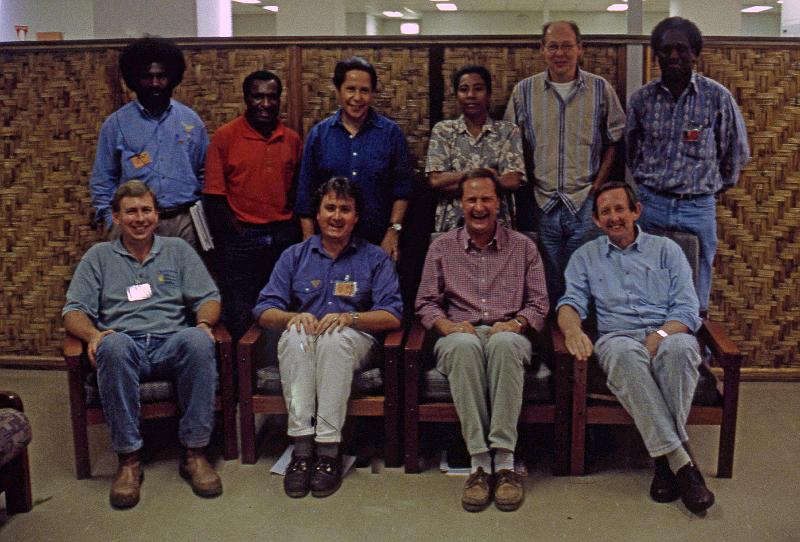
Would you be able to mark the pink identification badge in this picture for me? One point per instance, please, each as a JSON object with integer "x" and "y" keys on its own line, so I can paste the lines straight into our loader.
{"x": 138, "y": 292}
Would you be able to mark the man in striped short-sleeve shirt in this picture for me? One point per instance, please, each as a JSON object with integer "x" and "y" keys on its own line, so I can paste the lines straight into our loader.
{"x": 571, "y": 121}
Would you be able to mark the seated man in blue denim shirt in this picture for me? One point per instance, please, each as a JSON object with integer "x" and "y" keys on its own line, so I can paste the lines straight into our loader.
{"x": 130, "y": 300}
{"x": 647, "y": 310}
{"x": 331, "y": 294}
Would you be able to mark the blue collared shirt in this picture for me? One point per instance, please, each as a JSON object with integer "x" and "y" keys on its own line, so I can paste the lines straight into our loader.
{"x": 376, "y": 159}
{"x": 305, "y": 279}
{"x": 696, "y": 144}
{"x": 168, "y": 154}
{"x": 642, "y": 286}
{"x": 179, "y": 284}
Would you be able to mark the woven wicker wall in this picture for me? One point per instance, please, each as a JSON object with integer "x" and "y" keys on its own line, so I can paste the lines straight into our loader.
{"x": 54, "y": 102}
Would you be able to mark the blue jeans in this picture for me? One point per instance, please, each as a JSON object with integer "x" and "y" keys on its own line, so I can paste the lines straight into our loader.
{"x": 697, "y": 216}
{"x": 245, "y": 264}
{"x": 185, "y": 357}
{"x": 560, "y": 234}
{"x": 657, "y": 392}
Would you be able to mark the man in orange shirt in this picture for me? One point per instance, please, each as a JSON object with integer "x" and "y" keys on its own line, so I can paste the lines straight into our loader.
{"x": 250, "y": 173}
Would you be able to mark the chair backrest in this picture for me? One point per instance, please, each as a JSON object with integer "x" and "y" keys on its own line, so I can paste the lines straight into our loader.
{"x": 690, "y": 246}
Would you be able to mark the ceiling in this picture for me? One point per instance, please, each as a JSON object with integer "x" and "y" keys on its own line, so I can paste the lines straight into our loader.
{"x": 376, "y": 7}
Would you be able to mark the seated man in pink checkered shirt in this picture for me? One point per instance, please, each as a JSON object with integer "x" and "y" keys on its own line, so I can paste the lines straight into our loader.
{"x": 482, "y": 286}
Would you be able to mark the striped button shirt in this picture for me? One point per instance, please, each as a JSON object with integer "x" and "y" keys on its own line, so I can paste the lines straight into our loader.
{"x": 566, "y": 136}
{"x": 461, "y": 282}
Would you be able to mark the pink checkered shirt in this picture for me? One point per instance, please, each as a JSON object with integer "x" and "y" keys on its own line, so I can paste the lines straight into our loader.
{"x": 463, "y": 283}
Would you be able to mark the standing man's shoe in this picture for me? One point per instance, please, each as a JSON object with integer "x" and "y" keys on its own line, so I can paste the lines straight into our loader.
{"x": 477, "y": 491}
{"x": 201, "y": 475}
{"x": 327, "y": 476}
{"x": 509, "y": 491}
{"x": 297, "y": 480}
{"x": 664, "y": 487}
{"x": 127, "y": 481}
{"x": 692, "y": 489}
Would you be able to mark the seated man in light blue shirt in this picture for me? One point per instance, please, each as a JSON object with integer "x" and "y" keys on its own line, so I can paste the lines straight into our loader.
{"x": 154, "y": 139}
{"x": 145, "y": 306}
{"x": 647, "y": 310}
{"x": 331, "y": 294}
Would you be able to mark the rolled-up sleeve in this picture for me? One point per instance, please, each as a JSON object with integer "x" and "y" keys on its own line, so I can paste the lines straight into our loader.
{"x": 386, "y": 287}
{"x": 683, "y": 304}
{"x": 734, "y": 149}
{"x": 535, "y": 302}
{"x": 105, "y": 172}
{"x": 277, "y": 293}
{"x": 309, "y": 176}
{"x": 578, "y": 292}
{"x": 84, "y": 290}
{"x": 403, "y": 178}
{"x": 430, "y": 296}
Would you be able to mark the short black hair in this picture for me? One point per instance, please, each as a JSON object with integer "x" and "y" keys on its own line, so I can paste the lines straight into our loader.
{"x": 572, "y": 24}
{"x": 354, "y": 63}
{"x": 341, "y": 187}
{"x": 479, "y": 70}
{"x": 133, "y": 189}
{"x": 677, "y": 23}
{"x": 143, "y": 52}
{"x": 612, "y": 185}
{"x": 260, "y": 75}
{"x": 480, "y": 173}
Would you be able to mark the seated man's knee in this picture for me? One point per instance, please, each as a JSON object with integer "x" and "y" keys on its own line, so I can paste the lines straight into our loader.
{"x": 195, "y": 341}
{"x": 622, "y": 354}
{"x": 508, "y": 346}
{"x": 115, "y": 347}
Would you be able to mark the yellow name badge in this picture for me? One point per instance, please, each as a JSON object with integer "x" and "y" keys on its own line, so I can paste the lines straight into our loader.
{"x": 345, "y": 288}
{"x": 140, "y": 160}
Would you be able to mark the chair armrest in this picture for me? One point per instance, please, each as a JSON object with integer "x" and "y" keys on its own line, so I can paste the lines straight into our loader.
{"x": 415, "y": 338}
{"x": 221, "y": 333}
{"x": 559, "y": 342}
{"x": 9, "y": 399}
{"x": 73, "y": 349}
{"x": 725, "y": 351}
{"x": 394, "y": 339}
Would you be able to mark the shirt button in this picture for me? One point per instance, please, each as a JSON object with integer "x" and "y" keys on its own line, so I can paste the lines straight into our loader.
{"x": 355, "y": 173}
{"x": 483, "y": 300}
{"x": 330, "y": 302}
{"x": 355, "y": 154}
{"x": 486, "y": 314}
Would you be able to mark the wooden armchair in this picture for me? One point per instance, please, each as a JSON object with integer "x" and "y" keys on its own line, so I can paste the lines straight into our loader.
{"x": 157, "y": 397}
{"x": 428, "y": 399}
{"x": 15, "y": 474}
{"x": 714, "y": 403}
{"x": 375, "y": 392}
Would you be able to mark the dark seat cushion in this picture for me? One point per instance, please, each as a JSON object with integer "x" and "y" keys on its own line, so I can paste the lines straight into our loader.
{"x": 368, "y": 382}
{"x": 538, "y": 386}
{"x": 150, "y": 392}
{"x": 15, "y": 434}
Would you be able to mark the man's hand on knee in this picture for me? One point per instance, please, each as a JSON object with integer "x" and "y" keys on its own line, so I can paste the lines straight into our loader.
{"x": 91, "y": 348}
{"x": 446, "y": 327}
{"x": 579, "y": 345}
{"x": 510, "y": 326}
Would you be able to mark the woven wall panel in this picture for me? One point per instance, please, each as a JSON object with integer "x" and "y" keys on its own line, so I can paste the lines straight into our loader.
{"x": 402, "y": 89}
{"x": 52, "y": 108}
{"x": 509, "y": 65}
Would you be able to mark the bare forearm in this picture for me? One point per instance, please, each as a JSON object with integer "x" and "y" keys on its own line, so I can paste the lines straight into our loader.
{"x": 208, "y": 313}
{"x": 376, "y": 321}
{"x": 445, "y": 181}
{"x": 78, "y": 324}
{"x": 275, "y": 318}
{"x": 307, "y": 227}
{"x": 511, "y": 180}
{"x": 605, "y": 166}
{"x": 398, "y": 211}
{"x": 569, "y": 320}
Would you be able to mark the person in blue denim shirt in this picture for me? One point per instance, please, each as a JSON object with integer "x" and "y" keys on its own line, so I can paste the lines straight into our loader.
{"x": 647, "y": 312}
{"x": 368, "y": 148}
{"x": 686, "y": 142}
{"x": 331, "y": 295}
{"x": 145, "y": 306}
{"x": 154, "y": 139}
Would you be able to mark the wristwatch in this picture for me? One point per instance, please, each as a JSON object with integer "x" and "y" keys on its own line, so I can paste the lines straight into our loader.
{"x": 662, "y": 333}
{"x": 354, "y": 316}
{"x": 396, "y": 227}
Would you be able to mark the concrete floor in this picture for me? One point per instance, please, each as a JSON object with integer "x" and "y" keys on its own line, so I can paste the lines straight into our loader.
{"x": 760, "y": 503}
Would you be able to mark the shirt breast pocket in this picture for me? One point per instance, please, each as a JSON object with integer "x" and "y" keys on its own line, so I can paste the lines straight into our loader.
{"x": 696, "y": 141}
{"x": 306, "y": 291}
{"x": 658, "y": 286}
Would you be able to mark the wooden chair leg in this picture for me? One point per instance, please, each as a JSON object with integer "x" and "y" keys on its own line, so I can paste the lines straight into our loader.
{"x": 562, "y": 423}
{"x": 80, "y": 435}
{"x": 19, "y": 498}
{"x": 411, "y": 411}
{"x": 578, "y": 447}
{"x": 727, "y": 431}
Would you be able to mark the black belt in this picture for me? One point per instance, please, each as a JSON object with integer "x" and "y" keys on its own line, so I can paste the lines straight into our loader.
{"x": 172, "y": 212}
{"x": 673, "y": 195}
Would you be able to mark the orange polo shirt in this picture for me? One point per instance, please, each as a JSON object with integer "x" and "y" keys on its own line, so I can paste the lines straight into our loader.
{"x": 254, "y": 172}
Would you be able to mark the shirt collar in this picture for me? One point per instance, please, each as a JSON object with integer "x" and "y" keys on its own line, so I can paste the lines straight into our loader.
{"x": 692, "y": 86}
{"x": 636, "y": 245}
{"x": 372, "y": 118}
{"x": 119, "y": 248}
{"x": 488, "y": 126}
{"x": 143, "y": 110}
{"x": 580, "y": 81}
{"x": 252, "y": 133}
{"x": 353, "y": 245}
{"x": 498, "y": 241}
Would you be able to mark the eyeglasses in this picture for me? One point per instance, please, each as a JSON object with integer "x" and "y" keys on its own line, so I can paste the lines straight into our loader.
{"x": 553, "y": 48}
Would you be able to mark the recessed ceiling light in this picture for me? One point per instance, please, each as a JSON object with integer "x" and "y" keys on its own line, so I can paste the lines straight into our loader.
{"x": 273, "y": 9}
{"x": 247, "y": 1}
{"x": 756, "y": 9}
{"x": 409, "y": 28}
{"x": 393, "y": 14}
{"x": 446, "y": 6}
{"x": 617, "y": 7}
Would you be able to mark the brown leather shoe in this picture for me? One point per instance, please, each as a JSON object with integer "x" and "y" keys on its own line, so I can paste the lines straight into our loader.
{"x": 201, "y": 475}
{"x": 127, "y": 481}
{"x": 477, "y": 491}
{"x": 509, "y": 491}
{"x": 692, "y": 489}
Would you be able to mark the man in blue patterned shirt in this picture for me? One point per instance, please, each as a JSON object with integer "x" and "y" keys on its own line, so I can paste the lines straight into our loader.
{"x": 647, "y": 312}
{"x": 154, "y": 139}
{"x": 686, "y": 142}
